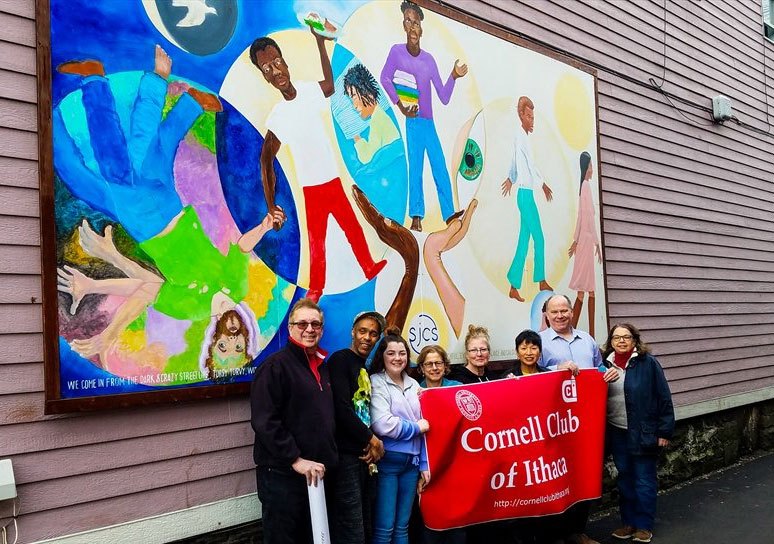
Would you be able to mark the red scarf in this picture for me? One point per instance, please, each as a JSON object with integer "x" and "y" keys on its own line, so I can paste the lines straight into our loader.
{"x": 620, "y": 359}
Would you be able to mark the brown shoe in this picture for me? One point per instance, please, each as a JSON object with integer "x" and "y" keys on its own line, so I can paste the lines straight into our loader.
{"x": 641, "y": 535}
{"x": 623, "y": 533}
{"x": 208, "y": 102}
{"x": 82, "y": 68}
{"x": 416, "y": 223}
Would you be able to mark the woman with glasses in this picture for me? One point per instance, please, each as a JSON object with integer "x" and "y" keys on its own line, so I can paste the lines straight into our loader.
{"x": 434, "y": 366}
{"x": 476, "y": 358}
{"x": 641, "y": 420}
{"x": 396, "y": 419}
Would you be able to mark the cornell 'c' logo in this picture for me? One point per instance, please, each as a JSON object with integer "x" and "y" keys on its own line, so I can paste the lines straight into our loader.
{"x": 468, "y": 404}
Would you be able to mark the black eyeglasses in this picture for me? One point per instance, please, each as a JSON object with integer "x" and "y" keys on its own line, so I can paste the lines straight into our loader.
{"x": 626, "y": 337}
{"x": 303, "y": 325}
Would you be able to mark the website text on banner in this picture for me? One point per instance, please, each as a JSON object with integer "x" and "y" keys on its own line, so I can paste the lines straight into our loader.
{"x": 513, "y": 448}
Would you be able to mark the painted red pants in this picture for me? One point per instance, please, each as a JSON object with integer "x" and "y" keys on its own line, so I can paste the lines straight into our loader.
{"x": 321, "y": 201}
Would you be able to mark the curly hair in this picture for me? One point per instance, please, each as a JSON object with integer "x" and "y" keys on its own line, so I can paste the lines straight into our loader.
{"x": 639, "y": 345}
{"x": 392, "y": 334}
{"x": 362, "y": 82}
{"x": 218, "y": 327}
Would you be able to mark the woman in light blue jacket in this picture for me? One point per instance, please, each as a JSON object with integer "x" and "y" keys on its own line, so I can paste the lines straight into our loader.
{"x": 396, "y": 419}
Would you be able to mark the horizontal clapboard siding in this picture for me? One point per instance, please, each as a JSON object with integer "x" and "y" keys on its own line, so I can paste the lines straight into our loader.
{"x": 688, "y": 207}
{"x": 79, "y": 472}
{"x": 687, "y": 220}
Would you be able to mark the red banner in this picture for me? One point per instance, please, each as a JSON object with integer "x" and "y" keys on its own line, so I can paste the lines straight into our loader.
{"x": 513, "y": 448}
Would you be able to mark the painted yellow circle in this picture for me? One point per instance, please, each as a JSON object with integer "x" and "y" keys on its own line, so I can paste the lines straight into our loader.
{"x": 574, "y": 111}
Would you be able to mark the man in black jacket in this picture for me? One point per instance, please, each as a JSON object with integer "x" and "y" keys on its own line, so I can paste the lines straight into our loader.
{"x": 358, "y": 446}
{"x": 293, "y": 420}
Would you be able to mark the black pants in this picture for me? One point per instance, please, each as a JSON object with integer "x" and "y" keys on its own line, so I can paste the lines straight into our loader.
{"x": 574, "y": 520}
{"x": 285, "y": 506}
{"x": 353, "y": 496}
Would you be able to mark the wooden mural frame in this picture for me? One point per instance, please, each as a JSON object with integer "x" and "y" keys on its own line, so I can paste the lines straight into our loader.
{"x": 54, "y": 402}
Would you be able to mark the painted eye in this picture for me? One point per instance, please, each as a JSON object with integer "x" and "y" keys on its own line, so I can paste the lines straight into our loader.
{"x": 469, "y": 153}
{"x": 222, "y": 347}
{"x": 472, "y": 161}
{"x": 239, "y": 348}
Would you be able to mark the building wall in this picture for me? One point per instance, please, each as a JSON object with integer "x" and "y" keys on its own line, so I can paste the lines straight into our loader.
{"x": 687, "y": 205}
{"x": 688, "y": 226}
{"x": 82, "y": 471}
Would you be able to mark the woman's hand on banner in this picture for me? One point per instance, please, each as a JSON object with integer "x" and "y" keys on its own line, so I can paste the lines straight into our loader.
{"x": 424, "y": 426}
{"x": 424, "y": 479}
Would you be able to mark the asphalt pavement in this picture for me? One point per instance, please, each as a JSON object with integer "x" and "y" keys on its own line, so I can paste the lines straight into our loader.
{"x": 734, "y": 505}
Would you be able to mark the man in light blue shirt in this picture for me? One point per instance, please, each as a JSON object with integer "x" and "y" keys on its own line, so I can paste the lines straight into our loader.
{"x": 566, "y": 348}
{"x": 563, "y": 346}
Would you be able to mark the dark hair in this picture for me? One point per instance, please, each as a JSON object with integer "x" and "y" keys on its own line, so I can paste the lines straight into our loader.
{"x": 408, "y": 4}
{"x": 392, "y": 334}
{"x": 530, "y": 337}
{"x": 362, "y": 81}
{"x": 261, "y": 44}
{"x": 585, "y": 160}
{"x": 549, "y": 299}
{"x": 639, "y": 345}
{"x": 434, "y": 348}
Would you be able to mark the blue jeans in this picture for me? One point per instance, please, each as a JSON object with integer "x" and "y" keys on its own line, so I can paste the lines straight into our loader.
{"x": 529, "y": 228}
{"x": 421, "y": 138}
{"x": 395, "y": 491}
{"x": 135, "y": 183}
{"x": 637, "y": 482}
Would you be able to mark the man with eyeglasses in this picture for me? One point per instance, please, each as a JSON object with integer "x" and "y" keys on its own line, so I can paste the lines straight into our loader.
{"x": 567, "y": 348}
{"x": 294, "y": 423}
{"x": 358, "y": 446}
{"x": 299, "y": 121}
{"x": 407, "y": 76}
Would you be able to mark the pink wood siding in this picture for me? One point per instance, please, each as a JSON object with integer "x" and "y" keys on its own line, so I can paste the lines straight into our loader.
{"x": 84, "y": 471}
{"x": 688, "y": 208}
{"x": 688, "y": 225}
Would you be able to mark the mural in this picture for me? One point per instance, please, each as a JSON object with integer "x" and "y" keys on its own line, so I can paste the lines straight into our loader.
{"x": 216, "y": 160}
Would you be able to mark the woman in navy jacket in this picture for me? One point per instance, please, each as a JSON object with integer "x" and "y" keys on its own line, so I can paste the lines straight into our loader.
{"x": 641, "y": 420}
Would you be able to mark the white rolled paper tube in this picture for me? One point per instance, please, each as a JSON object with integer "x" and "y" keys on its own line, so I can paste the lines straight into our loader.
{"x": 319, "y": 513}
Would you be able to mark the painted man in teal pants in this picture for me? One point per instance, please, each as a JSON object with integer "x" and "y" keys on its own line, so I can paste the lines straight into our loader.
{"x": 526, "y": 176}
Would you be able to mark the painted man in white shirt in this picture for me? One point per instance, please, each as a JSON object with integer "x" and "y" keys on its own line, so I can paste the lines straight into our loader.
{"x": 298, "y": 121}
{"x": 524, "y": 174}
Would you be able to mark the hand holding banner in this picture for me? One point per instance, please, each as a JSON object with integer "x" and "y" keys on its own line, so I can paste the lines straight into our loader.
{"x": 513, "y": 448}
